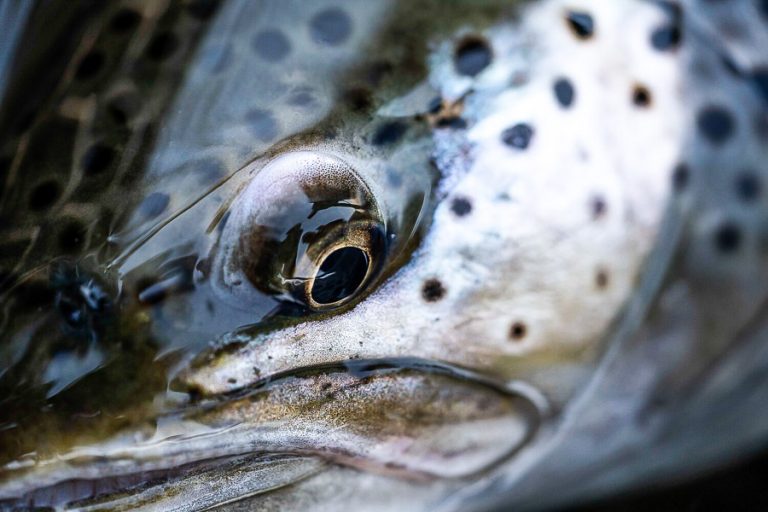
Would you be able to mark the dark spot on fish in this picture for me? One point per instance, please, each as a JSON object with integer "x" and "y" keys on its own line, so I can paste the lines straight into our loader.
{"x": 666, "y": 37}
{"x": 748, "y": 186}
{"x": 72, "y": 237}
{"x": 202, "y": 9}
{"x": 154, "y": 204}
{"x": 232, "y": 380}
{"x": 759, "y": 80}
{"x": 271, "y": 45}
{"x": 359, "y": 99}
{"x": 432, "y": 290}
{"x": 581, "y": 23}
{"x": 461, "y": 206}
{"x": 97, "y": 158}
{"x": 715, "y": 123}
{"x": 762, "y": 6}
{"x": 598, "y": 206}
{"x": 518, "y": 331}
{"x": 125, "y": 20}
{"x": 564, "y": 92}
{"x": 90, "y": 66}
{"x": 454, "y": 122}
{"x": 727, "y": 237}
{"x": 472, "y": 56}
{"x": 601, "y": 279}
{"x": 389, "y": 133}
{"x": 123, "y": 108}
{"x": 262, "y": 124}
{"x": 330, "y": 26}
{"x": 518, "y": 136}
{"x": 641, "y": 96}
{"x": 680, "y": 177}
{"x": 162, "y": 46}
{"x": 44, "y": 195}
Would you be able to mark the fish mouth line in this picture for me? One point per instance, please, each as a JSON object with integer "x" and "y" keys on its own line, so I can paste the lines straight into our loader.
{"x": 374, "y": 367}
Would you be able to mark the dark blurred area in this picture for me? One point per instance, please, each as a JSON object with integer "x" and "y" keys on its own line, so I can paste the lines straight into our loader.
{"x": 742, "y": 486}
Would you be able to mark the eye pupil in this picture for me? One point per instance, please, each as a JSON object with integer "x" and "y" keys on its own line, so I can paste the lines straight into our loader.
{"x": 340, "y": 274}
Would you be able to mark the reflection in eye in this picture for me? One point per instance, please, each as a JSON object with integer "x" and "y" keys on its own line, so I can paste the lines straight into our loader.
{"x": 306, "y": 230}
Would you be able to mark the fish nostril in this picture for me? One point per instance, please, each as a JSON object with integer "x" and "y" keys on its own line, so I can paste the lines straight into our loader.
{"x": 340, "y": 275}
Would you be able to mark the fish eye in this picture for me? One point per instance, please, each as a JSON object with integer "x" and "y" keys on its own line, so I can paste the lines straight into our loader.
{"x": 306, "y": 229}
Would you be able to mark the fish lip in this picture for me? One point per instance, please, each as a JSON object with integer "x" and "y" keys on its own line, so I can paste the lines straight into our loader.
{"x": 362, "y": 368}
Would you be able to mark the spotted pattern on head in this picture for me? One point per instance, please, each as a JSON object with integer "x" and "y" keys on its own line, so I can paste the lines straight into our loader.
{"x": 546, "y": 216}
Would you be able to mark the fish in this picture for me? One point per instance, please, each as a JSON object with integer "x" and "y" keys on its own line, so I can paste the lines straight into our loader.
{"x": 387, "y": 255}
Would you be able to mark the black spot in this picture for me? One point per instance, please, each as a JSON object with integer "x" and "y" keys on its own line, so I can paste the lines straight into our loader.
{"x": 472, "y": 56}
{"x": 666, "y": 38}
{"x": 340, "y": 275}
{"x": 162, "y": 46}
{"x": 715, "y": 123}
{"x": 601, "y": 279}
{"x": 518, "y": 331}
{"x": 599, "y": 207}
{"x": 641, "y": 96}
{"x": 461, "y": 206}
{"x": 759, "y": 80}
{"x": 581, "y": 23}
{"x": 358, "y": 98}
{"x": 154, "y": 204}
{"x": 271, "y": 45}
{"x": 125, "y": 20}
{"x": 123, "y": 108}
{"x": 98, "y": 158}
{"x": 748, "y": 186}
{"x": 680, "y": 177}
{"x": 262, "y": 124}
{"x": 389, "y": 133}
{"x": 72, "y": 237}
{"x": 202, "y": 9}
{"x": 564, "y": 92}
{"x": 762, "y": 6}
{"x": 518, "y": 136}
{"x": 331, "y": 26}
{"x": 727, "y": 238}
{"x": 89, "y": 67}
{"x": 456, "y": 123}
{"x": 44, "y": 195}
{"x": 432, "y": 290}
